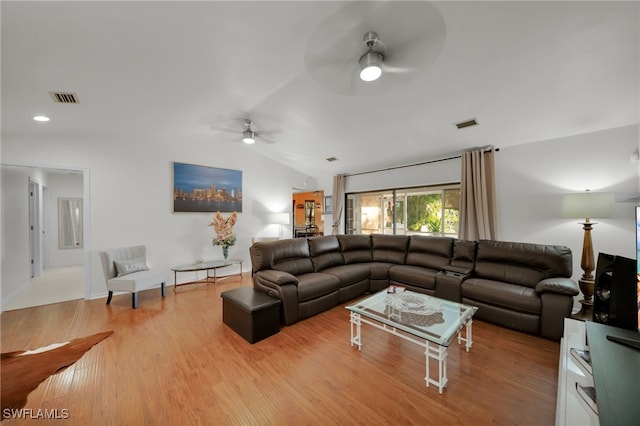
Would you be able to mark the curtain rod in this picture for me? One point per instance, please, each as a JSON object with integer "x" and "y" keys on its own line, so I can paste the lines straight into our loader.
{"x": 453, "y": 157}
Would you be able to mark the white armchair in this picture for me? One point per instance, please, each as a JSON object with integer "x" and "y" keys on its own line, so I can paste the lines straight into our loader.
{"x": 126, "y": 269}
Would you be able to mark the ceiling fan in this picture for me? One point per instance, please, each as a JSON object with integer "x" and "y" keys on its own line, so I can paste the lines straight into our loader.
{"x": 401, "y": 39}
{"x": 249, "y": 133}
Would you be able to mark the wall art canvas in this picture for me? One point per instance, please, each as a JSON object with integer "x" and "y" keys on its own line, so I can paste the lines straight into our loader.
{"x": 206, "y": 189}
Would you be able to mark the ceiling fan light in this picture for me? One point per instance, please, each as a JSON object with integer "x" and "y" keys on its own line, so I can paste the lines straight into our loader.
{"x": 370, "y": 66}
{"x": 248, "y": 137}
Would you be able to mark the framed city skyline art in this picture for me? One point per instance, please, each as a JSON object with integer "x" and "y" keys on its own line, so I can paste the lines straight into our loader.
{"x": 206, "y": 189}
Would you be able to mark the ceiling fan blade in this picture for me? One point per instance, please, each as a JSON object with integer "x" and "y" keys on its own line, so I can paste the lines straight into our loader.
{"x": 397, "y": 70}
{"x": 225, "y": 129}
{"x": 265, "y": 139}
{"x": 269, "y": 133}
{"x": 264, "y": 133}
{"x": 417, "y": 53}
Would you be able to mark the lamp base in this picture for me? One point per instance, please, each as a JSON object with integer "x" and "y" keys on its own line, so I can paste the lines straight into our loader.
{"x": 587, "y": 286}
{"x": 586, "y": 311}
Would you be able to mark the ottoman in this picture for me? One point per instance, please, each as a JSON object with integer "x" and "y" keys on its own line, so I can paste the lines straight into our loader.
{"x": 252, "y": 314}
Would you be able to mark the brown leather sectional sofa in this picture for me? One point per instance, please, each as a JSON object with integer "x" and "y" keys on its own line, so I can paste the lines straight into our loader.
{"x": 522, "y": 286}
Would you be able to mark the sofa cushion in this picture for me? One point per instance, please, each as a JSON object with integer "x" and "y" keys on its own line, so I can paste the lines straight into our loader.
{"x": 389, "y": 248}
{"x": 464, "y": 254}
{"x": 290, "y": 256}
{"x": 504, "y": 295}
{"x": 355, "y": 248}
{"x": 429, "y": 252}
{"x": 416, "y": 276}
{"x": 325, "y": 252}
{"x": 350, "y": 274}
{"x": 316, "y": 284}
{"x": 379, "y": 271}
{"x": 521, "y": 263}
{"x": 261, "y": 256}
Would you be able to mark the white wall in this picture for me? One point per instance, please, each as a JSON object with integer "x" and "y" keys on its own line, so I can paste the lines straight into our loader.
{"x": 131, "y": 184}
{"x": 62, "y": 185}
{"x": 532, "y": 178}
{"x": 16, "y": 270}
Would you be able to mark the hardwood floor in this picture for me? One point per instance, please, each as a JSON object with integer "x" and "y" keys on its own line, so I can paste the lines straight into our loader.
{"x": 173, "y": 362}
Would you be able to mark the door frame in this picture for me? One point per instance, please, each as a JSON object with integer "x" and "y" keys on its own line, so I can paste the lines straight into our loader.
{"x": 86, "y": 217}
{"x": 35, "y": 234}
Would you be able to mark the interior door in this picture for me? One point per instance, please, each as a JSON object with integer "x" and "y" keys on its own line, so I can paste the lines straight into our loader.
{"x": 45, "y": 228}
{"x": 34, "y": 228}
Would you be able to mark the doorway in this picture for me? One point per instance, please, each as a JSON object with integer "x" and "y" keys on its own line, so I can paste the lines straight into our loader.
{"x": 35, "y": 263}
{"x": 308, "y": 210}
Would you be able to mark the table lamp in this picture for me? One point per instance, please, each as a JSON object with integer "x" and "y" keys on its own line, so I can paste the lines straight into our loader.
{"x": 280, "y": 219}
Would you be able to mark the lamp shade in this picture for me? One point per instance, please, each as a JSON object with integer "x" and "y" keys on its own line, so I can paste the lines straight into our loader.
{"x": 588, "y": 205}
{"x": 280, "y": 218}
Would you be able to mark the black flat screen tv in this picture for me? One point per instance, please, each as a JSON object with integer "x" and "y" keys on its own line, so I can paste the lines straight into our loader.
{"x": 618, "y": 287}
{"x": 622, "y": 274}
{"x": 638, "y": 263}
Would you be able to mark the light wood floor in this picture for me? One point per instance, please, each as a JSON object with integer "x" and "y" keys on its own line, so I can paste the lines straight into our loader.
{"x": 173, "y": 362}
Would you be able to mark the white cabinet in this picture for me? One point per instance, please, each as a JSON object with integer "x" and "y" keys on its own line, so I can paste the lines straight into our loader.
{"x": 571, "y": 409}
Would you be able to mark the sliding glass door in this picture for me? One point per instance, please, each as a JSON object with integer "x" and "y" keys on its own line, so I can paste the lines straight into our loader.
{"x": 408, "y": 211}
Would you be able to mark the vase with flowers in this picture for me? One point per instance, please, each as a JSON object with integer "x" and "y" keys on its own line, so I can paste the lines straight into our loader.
{"x": 223, "y": 228}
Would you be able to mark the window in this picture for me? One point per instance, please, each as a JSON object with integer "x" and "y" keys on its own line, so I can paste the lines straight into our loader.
{"x": 432, "y": 210}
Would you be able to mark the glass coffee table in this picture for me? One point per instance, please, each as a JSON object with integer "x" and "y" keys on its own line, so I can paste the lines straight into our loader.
{"x": 419, "y": 318}
{"x": 211, "y": 265}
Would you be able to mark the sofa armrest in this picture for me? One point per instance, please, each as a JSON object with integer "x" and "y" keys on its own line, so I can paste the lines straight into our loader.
{"x": 277, "y": 277}
{"x": 558, "y": 285}
{"x": 556, "y": 295}
{"x": 282, "y": 285}
{"x": 457, "y": 271}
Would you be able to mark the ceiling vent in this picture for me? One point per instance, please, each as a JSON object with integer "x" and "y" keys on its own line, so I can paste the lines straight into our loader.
{"x": 467, "y": 123}
{"x": 330, "y": 159}
{"x": 64, "y": 97}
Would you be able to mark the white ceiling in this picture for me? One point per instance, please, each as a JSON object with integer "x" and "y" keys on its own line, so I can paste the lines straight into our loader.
{"x": 528, "y": 71}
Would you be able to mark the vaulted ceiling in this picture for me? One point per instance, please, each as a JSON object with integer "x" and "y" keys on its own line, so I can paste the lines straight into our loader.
{"x": 527, "y": 71}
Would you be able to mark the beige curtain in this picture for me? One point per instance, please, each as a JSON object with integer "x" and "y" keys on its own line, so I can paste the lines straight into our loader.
{"x": 478, "y": 204}
{"x": 339, "y": 183}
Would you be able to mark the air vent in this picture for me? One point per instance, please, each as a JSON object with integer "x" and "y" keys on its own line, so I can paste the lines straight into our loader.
{"x": 467, "y": 123}
{"x": 64, "y": 97}
{"x": 330, "y": 159}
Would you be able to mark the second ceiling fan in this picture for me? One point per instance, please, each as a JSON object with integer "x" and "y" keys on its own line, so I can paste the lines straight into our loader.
{"x": 249, "y": 132}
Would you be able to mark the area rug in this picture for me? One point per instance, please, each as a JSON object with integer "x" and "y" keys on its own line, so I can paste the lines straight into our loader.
{"x": 23, "y": 371}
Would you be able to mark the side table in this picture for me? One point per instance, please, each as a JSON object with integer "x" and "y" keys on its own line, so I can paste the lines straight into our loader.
{"x": 211, "y": 265}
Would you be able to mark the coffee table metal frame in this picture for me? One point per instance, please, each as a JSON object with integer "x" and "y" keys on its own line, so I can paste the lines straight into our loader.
{"x": 435, "y": 346}
{"x": 210, "y": 265}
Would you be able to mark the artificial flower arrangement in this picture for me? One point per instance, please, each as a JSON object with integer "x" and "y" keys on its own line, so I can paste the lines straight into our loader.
{"x": 224, "y": 229}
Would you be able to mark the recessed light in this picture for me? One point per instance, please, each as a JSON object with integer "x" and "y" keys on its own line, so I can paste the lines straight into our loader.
{"x": 41, "y": 118}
